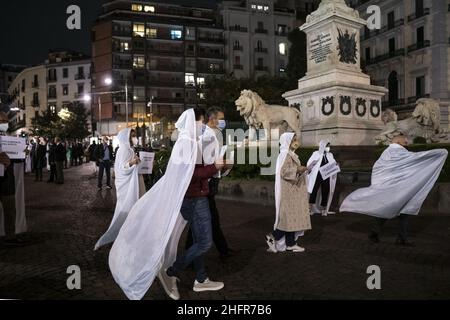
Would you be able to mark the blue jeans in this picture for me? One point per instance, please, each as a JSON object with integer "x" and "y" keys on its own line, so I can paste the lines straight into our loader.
{"x": 196, "y": 212}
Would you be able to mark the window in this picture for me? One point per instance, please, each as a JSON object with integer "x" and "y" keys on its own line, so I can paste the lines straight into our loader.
{"x": 189, "y": 79}
{"x": 65, "y": 73}
{"x": 237, "y": 60}
{"x": 176, "y": 34}
{"x": 65, "y": 90}
{"x": 259, "y": 7}
{"x": 259, "y": 44}
{"x": 35, "y": 99}
{"x": 420, "y": 34}
{"x": 80, "y": 88}
{"x": 368, "y": 57}
{"x": 281, "y": 29}
{"x": 136, "y": 7}
{"x": 138, "y": 30}
{"x": 52, "y": 92}
{"x": 52, "y": 74}
{"x": 200, "y": 80}
{"x": 35, "y": 81}
{"x": 266, "y": 8}
{"x": 392, "y": 45}
{"x": 253, "y": 6}
{"x": 260, "y": 25}
{"x": 152, "y": 33}
{"x": 124, "y": 46}
{"x": 419, "y": 7}
{"x": 420, "y": 86}
{"x": 391, "y": 20}
{"x": 139, "y": 62}
{"x": 282, "y": 49}
{"x": 23, "y": 85}
{"x": 149, "y": 8}
{"x": 81, "y": 71}
{"x": 202, "y": 96}
{"x": 260, "y": 62}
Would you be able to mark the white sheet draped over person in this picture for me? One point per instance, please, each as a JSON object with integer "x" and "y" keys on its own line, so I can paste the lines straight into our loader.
{"x": 401, "y": 181}
{"x": 149, "y": 237}
{"x": 128, "y": 186}
{"x": 319, "y": 158}
{"x": 291, "y": 199}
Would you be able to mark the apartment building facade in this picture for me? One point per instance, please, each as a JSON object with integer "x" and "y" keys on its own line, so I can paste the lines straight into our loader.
{"x": 256, "y": 37}
{"x": 63, "y": 79}
{"x": 410, "y": 54}
{"x": 161, "y": 54}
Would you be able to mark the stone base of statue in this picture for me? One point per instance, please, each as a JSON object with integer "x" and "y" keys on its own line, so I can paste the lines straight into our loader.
{"x": 335, "y": 97}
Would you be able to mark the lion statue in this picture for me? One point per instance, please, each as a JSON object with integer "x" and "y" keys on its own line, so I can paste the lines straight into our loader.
{"x": 259, "y": 115}
{"x": 424, "y": 122}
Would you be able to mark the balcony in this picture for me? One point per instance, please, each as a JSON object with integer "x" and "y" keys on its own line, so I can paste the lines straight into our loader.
{"x": 260, "y": 30}
{"x": 386, "y": 56}
{"x": 238, "y": 48}
{"x": 123, "y": 65}
{"x": 261, "y": 50}
{"x": 168, "y": 67}
{"x": 122, "y": 32}
{"x": 80, "y": 76}
{"x": 238, "y": 67}
{"x": 211, "y": 55}
{"x": 219, "y": 40}
{"x": 166, "y": 51}
{"x": 52, "y": 96}
{"x": 121, "y": 97}
{"x": 52, "y": 79}
{"x": 419, "y": 45}
{"x": 372, "y": 33}
{"x": 415, "y": 98}
{"x": 207, "y": 69}
{"x": 238, "y": 29}
{"x": 261, "y": 68}
{"x": 419, "y": 14}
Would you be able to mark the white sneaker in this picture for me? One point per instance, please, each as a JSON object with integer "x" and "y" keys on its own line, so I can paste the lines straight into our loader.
{"x": 324, "y": 213}
{"x": 295, "y": 248}
{"x": 270, "y": 240}
{"x": 169, "y": 284}
{"x": 208, "y": 285}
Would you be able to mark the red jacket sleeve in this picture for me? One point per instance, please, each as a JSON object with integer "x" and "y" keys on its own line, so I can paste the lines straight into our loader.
{"x": 204, "y": 172}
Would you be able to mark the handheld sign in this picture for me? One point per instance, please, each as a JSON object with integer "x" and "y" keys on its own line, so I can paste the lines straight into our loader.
{"x": 13, "y": 147}
{"x": 147, "y": 160}
{"x": 329, "y": 170}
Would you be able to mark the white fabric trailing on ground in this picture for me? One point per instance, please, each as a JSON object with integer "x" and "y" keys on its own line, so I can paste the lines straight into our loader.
{"x": 149, "y": 237}
{"x": 401, "y": 181}
{"x": 127, "y": 187}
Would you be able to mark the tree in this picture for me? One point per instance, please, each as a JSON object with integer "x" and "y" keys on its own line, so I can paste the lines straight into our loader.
{"x": 70, "y": 123}
{"x": 297, "y": 65}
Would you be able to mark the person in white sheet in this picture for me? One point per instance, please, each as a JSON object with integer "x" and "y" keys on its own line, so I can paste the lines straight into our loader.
{"x": 129, "y": 184}
{"x": 12, "y": 195}
{"x": 291, "y": 199}
{"x": 401, "y": 181}
{"x": 148, "y": 240}
{"x": 321, "y": 191}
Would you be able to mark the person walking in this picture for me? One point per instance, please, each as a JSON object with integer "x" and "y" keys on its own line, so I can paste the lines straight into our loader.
{"x": 51, "y": 160}
{"x": 104, "y": 157}
{"x": 39, "y": 158}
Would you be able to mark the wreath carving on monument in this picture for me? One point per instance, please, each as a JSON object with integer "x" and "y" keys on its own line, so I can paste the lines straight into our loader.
{"x": 375, "y": 109}
{"x": 346, "y": 100}
{"x": 325, "y": 101}
{"x": 361, "y": 107}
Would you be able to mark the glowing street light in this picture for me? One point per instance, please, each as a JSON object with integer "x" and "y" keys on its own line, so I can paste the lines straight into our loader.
{"x": 108, "y": 81}
{"x": 87, "y": 98}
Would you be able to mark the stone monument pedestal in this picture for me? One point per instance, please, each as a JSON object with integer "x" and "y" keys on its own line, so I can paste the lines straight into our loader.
{"x": 336, "y": 98}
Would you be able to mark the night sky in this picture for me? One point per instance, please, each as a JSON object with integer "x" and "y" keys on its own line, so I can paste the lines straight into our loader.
{"x": 30, "y": 28}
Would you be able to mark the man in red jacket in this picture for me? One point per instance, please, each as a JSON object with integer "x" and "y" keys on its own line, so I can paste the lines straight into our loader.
{"x": 195, "y": 210}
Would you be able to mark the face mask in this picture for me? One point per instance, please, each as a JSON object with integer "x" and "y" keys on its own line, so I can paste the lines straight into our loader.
{"x": 135, "y": 141}
{"x": 222, "y": 124}
{"x": 4, "y": 127}
{"x": 327, "y": 149}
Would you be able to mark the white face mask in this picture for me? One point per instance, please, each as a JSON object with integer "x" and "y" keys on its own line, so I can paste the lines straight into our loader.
{"x": 135, "y": 141}
{"x": 4, "y": 127}
{"x": 327, "y": 149}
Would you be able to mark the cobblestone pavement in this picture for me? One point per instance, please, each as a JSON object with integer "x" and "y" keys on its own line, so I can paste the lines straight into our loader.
{"x": 65, "y": 222}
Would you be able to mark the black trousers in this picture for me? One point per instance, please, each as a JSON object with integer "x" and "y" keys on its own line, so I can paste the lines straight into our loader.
{"x": 52, "y": 172}
{"x": 403, "y": 225}
{"x": 38, "y": 171}
{"x": 218, "y": 237}
{"x": 324, "y": 185}
{"x": 105, "y": 165}
{"x": 290, "y": 237}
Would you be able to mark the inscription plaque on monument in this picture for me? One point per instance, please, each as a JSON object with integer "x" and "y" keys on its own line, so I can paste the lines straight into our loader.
{"x": 320, "y": 47}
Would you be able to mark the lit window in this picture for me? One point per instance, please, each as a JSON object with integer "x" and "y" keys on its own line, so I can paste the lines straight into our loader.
{"x": 138, "y": 29}
{"x": 136, "y": 7}
{"x": 124, "y": 46}
{"x": 254, "y": 6}
{"x": 282, "y": 48}
{"x": 175, "y": 34}
{"x": 266, "y": 8}
{"x": 139, "y": 62}
{"x": 189, "y": 79}
{"x": 149, "y": 9}
{"x": 260, "y": 8}
{"x": 200, "y": 80}
{"x": 201, "y": 95}
{"x": 152, "y": 33}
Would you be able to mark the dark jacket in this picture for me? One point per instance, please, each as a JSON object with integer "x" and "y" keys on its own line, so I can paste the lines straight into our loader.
{"x": 100, "y": 152}
{"x": 39, "y": 159}
{"x": 60, "y": 153}
{"x": 51, "y": 153}
{"x": 199, "y": 183}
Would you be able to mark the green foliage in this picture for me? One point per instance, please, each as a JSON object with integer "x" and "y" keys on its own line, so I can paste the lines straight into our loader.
{"x": 419, "y": 140}
{"x": 72, "y": 127}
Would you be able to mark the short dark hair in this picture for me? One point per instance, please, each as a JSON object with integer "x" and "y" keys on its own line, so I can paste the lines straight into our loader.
{"x": 214, "y": 111}
{"x": 199, "y": 112}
